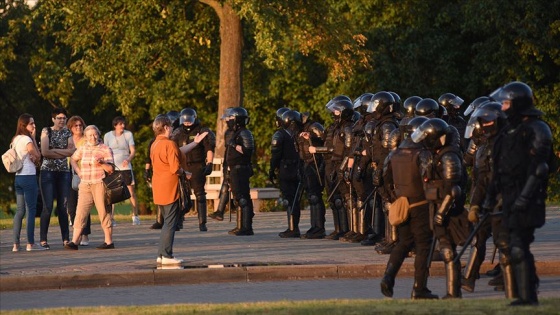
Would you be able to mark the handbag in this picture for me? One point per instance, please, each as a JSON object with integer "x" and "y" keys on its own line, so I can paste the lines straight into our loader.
{"x": 75, "y": 181}
{"x": 12, "y": 161}
{"x": 115, "y": 188}
{"x": 399, "y": 210}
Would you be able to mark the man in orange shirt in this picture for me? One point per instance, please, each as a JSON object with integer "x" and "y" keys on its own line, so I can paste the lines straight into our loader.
{"x": 166, "y": 163}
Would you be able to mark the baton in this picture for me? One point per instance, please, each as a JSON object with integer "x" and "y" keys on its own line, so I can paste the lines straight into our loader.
{"x": 471, "y": 237}
{"x": 316, "y": 166}
{"x": 494, "y": 254}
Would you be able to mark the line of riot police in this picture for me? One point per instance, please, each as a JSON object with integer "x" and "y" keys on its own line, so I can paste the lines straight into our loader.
{"x": 378, "y": 155}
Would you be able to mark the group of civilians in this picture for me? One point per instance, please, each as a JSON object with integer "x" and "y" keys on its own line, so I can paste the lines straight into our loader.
{"x": 69, "y": 148}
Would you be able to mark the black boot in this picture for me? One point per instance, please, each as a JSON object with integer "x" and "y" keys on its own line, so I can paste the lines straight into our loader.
{"x": 453, "y": 284}
{"x": 201, "y": 208}
{"x": 239, "y": 218}
{"x": 247, "y": 221}
{"x": 526, "y": 288}
{"x": 508, "y": 279}
{"x": 388, "y": 280}
{"x": 420, "y": 290}
{"x": 336, "y": 221}
{"x": 224, "y": 200}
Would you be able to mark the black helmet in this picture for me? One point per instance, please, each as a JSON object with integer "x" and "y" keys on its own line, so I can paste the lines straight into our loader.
{"x": 412, "y": 125}
{"x": 239, "y": 115}
{"x": 450, "y": 101}
{"x": 226, "y": 113}
{"x": 187, "y": 115}
{"x": 432, "y": 133}
{"x": 173, "y": 115}
{"x": 361, "y": 103}
{"x": 343, "y": 104}
{"x": 396, "y": 97}
{"x": 475, "y": 104}
{"x": 410, "y": 105}
{"x": 521, "y": 97}
{"x": 427, "y": 107}
{"x": 482, "y": 117}
{"x": 279, "y": 114}
{"x": 382, "y": 103}
{"x": 291, "y": 118}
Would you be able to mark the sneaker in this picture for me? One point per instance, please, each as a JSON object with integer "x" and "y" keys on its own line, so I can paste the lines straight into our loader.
{"x": 71, "y": 246}
{"x": 113, "y": 223}
{"x": 171, "y": 261}
{"x": 16, "y": 248}
{"x": 158, "y": 260}
{"x": 45, "y": 245}
{"x": 84, "y": 241}
{"x": 106, "y": 246}
{"x": 135, "y": 220}
{"x": 31, "y": 247}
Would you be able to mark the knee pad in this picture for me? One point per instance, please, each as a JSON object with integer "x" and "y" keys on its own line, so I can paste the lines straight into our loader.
{"x": 243, "y": 202}
{"x": 338, "y": 203}
{"x": 446, "y": 254}
{"x": 201, "y": 197}
{"x": 517, "y": 254}
{"x": 313, "y": 199}
{"x": 282, "y": 202}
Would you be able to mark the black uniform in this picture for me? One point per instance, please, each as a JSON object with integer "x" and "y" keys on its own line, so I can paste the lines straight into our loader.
{"x": 522, "y": 157}
{"x": 403, "y": 178}
{"x": 313, "y": 174}
{"x": 240, "y": 171}
{"x": 285, "y": 159}
{"x": 450, "y": 224}
{"x": 380, "y": 131}
{"x": 196, "y": 163}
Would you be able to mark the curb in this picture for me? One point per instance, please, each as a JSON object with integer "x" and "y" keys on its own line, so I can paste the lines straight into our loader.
{"x": 225, "y": 274}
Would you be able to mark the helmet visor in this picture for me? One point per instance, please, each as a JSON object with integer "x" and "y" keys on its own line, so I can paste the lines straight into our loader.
{"x": 188, "y": 119}
{"x": 418, "y": 135}
{"x": 472, "y": 125}
{"x": 456, "y": 102}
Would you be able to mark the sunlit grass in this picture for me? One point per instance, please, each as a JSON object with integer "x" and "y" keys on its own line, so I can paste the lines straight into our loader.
{"x": 335, "y": 307}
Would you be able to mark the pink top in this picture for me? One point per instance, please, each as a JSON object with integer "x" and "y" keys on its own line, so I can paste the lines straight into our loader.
{"x": 91, "y": 173}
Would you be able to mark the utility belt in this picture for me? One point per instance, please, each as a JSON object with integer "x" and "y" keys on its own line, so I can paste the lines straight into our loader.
{"x": 237, "y": 167}
{"x": 434, "y": 189}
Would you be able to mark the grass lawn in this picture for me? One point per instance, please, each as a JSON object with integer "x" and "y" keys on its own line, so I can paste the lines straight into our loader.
{"x": 327, "y": 307}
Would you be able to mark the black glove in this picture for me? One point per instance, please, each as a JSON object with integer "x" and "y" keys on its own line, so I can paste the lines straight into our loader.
{"x": 271, "y": 175}
{"x": 147, "y": 176}
{"x": 208, "y": 169}
{"x": 348, "y": 175}
{"x": 520, "y": 204}
{"x": 438, "y": 219}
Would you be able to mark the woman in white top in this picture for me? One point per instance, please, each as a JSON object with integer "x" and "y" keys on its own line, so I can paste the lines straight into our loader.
{"x": 121, "y": 142}
{"x": 26, "y": 184}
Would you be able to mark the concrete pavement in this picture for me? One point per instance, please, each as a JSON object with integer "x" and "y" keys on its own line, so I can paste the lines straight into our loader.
{"x": 261, "y": 257}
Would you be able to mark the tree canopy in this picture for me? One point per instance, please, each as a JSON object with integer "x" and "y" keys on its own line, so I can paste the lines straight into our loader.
{"x": 99, "y": 59}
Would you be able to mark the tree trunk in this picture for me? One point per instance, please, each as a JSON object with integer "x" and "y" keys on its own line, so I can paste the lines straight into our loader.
{"x": 230, "y": 88}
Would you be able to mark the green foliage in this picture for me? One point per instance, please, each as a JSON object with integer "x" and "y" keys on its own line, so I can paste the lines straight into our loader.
{"x": 99, "y": 59}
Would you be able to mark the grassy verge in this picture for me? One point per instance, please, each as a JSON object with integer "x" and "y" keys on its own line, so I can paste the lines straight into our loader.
{"x": 331, "y": 307}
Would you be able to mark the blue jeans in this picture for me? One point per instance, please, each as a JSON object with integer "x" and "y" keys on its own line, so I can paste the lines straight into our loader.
{"x": 170, "y": 215}
{"x": 55, "y": 184}
{"x": 27, "y": 189}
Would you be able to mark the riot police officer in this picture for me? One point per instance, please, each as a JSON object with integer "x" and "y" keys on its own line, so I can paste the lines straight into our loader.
{"x": 482, "y": 130}
{"x": 522, "y": 154}
{"x": 398, "y": 135}
{"x": 338, "y": 147}
{"x": 442, "y": 188}
{"x": 285, "y": 159}
{"x": 239, "y": 151}
{"x": 452, "y": 103}
{"x": 379, "y": 130}
{"x": 199, "y": 160}
{"x": 313, "y": 174}
{"x": 403, "y": 177}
